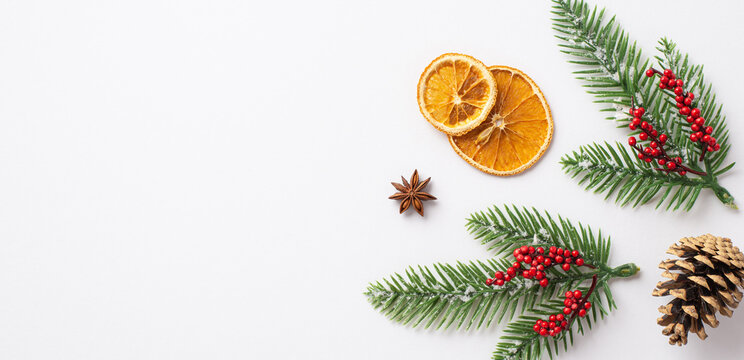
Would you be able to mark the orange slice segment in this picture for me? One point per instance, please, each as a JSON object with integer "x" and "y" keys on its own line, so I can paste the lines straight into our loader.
{"x": 517, "y": 130}
{"x": 455, "y": 93}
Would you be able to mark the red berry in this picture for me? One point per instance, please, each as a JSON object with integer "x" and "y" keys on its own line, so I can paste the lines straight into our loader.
{"x": 663, "y": 138}
{"x": 574, "y": 306}
{"x": 510, "y": 272}
{"x": 699, "y": 121}
{"x": 636, "y": 121}
{"x": 649, "y": 73}
{"x": 540, "y": 268}
{"x": 654, "y": 145}
{"x": 717, "y": 147}
{"x": 548, "y": 262}
{"x": 709, "y": 130}
{"x": 499, "y": 282}
{"x": 528, "y": 259}
{"x": 695, "y": 127}
{"x": 499, "y": 275}
{"x": 517, "y": 252}
{"x": 568, "y": 260}
{"x": 679, "y": 98}
{"x": 684, "y": 111}
{"x": 516, "y": 265}
{"x": 533, "y": 272}
{"x": 569, "y": 294}
{"x": 544, "y": 332}
{"x": 688, "y": 101}
{"x": 489, "y": 282}
{"x": 643, "y": 136}
{"x": 566, "y": 310}
{"x": 654, "y": 133}
{"x": 662, "y": 161}
{"x": 540, "y": 250}
{"x": 695, "y": 113}
{"x": 691, "y": 96}
{"x": 552, "y": 249}
{"x": 639, "y": 112}
{"x": 539, "y": 275}
{"x": 564, "y": 324}
{"x": 539, "y": 259}
{"x": 644, "y": 125}
{"x": 710, "y": 149}
{"x": 579, "y": 262}
{"x": 680, "y": 82}
{"x": 524, "y": 249}
{"x": 566, "y": 267}
{"x": 559, "y": 317}
{"x": 559, "y": 251}
{"x": 587, "y": 305}
{"x": 531, "y": 250}
{"x": 536, "y": 328}
{"x": 567, "y": 302}
{"x": 678, "y": 159}
{"x": 631, "y": 141}
{"x": 648, "y": 160}
{"x": 671, "y": 165}
{"x": 577, "y": 293}
{"x": 582, "y": 313}
{"x": 662, "y": 86}
{"x": 575, "y": 253}
{"x": 647, "y": 150}
{"x": 682, "y": 172}
{"x": 699, "y": 134}
{"x": 664, "y": 80}
{"x": 706, "y": 138}
{"x": 552, "y": 318}
{"x": 641, "y": 156}
{"x": 520, "y": 257}
{"x": 559, "y": 259}
{"x": 679, "y": 90}
{"x": 526, "y": 274}
{"x": 668, "y": 73}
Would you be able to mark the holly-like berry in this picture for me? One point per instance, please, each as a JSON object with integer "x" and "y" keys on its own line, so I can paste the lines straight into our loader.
{"x": 650, "y": 72}
{"x": 631, "y": 141}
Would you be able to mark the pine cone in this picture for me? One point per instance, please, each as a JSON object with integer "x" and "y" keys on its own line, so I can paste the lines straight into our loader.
{"x": 705, "y": 280}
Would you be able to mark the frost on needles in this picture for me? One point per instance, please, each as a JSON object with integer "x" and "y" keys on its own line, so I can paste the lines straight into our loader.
{"x": 459, "y": 296}
{"x": 613, "y": 70}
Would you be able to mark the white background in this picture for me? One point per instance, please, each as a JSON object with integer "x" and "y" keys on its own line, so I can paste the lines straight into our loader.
{"x": 209, "y": 179}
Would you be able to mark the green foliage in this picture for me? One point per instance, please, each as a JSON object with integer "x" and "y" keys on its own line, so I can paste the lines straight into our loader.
{"x": 613, "y": 70}
{"x": 614, "y": 170}
{"x": 443, "y": 295}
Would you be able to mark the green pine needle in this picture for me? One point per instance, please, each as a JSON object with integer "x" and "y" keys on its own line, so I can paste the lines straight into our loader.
{"x": 613, "y": 70}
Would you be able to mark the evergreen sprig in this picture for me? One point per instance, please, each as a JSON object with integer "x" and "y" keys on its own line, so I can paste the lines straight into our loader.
{"x": 613, "y": 70}
{"x": 444, "y": 295}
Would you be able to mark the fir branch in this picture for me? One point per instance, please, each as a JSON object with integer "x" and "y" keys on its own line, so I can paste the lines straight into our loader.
{"x": 504, "y": 229}
{"x": 614, "y": 170}
{"x": 444, "y": 295}
{"x": 613, "y": 71}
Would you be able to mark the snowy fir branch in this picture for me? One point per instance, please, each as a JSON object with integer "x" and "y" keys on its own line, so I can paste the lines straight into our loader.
{"x": 464, "y": 295}
{"x": 678, "y": 164}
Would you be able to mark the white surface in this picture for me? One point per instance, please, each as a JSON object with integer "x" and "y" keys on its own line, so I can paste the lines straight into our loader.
{"x": 209, "y": 180}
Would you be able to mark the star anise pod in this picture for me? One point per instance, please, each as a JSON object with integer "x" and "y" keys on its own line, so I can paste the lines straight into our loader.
{"x": 412, "y": 193}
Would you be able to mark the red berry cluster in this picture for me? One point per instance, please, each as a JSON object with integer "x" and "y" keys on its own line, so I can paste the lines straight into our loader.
{"x": 700, "y": 132}
{"x": 574, "y": 305}
{"x": 538, "y": 262}
{"x": 655, "y": 149}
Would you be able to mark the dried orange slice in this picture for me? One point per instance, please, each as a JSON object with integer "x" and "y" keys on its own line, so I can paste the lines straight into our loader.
{"x": 455, "y": 93}
{"x": 516, "y": 132}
